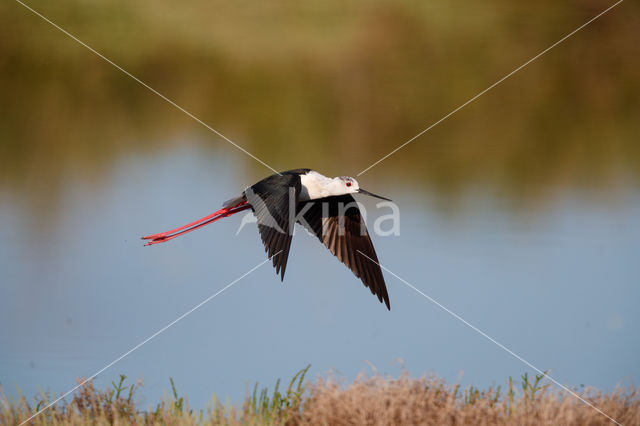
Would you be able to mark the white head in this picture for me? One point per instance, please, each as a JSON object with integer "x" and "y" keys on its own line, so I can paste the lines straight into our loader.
{"x": 315, "y": 186}
{"x": 347, "y": 185}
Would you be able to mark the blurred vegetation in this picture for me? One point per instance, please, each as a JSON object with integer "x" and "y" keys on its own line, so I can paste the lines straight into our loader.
{"x": 372, "y": 400}
{"x": 332, "y": 86}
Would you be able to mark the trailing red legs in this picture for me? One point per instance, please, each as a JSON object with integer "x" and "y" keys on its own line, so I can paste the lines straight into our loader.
{"x": 163, "y": 237}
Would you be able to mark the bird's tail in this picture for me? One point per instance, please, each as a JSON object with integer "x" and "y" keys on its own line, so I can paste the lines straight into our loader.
{"x": 234, "y": 202}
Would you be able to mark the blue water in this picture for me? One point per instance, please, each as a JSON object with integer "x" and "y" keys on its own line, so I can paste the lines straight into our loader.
{"x": 557, "y": 284}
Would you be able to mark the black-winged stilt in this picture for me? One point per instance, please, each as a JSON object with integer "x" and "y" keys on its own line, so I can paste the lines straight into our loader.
{"x": 321, "y": 204}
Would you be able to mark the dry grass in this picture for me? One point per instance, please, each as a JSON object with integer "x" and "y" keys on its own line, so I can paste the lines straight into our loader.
{"x": 430, "y": 401}
{"x": 372, "y": 400}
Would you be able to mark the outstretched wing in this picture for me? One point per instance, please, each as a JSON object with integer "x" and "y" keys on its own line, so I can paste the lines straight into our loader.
{"x": 337, "y": 222}
{"x": 272, "y": 199}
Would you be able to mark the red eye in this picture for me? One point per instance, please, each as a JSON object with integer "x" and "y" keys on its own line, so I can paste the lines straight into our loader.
{"x": 348, "y": 183}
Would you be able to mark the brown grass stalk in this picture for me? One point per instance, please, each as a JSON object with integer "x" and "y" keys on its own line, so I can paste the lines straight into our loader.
{"x": 368, "y": 400}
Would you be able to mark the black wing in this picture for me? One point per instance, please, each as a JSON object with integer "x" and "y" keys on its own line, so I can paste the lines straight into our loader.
{"x": 344, "y": 233}
{"x": 271, "y": 200}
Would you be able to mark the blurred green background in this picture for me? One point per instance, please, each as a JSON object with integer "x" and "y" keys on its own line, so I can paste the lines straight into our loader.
{"x": 331, "y": 86}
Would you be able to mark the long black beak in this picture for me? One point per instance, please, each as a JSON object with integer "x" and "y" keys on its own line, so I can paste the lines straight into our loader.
{"x": 362, "y": 191}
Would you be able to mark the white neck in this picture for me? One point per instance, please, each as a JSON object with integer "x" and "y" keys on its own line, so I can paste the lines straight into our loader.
{"x": 315, "y": 185}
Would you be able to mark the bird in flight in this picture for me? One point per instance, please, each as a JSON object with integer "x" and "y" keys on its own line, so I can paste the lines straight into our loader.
{"x": 323, "y": 205}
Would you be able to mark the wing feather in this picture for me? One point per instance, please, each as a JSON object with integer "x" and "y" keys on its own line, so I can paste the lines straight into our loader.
{"x": 270, "y": 200}
{"x": 344, "y": 233}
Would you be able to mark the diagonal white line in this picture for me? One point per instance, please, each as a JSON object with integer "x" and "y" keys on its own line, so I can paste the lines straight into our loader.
{"x": 490, "y": 87}
{"x": 149, "y": 87}
{"x": 500, "y": 345}
{"x": 94, "y": 375}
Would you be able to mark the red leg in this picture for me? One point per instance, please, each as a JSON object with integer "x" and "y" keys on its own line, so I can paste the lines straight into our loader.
{"x": 169, "y": 235}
